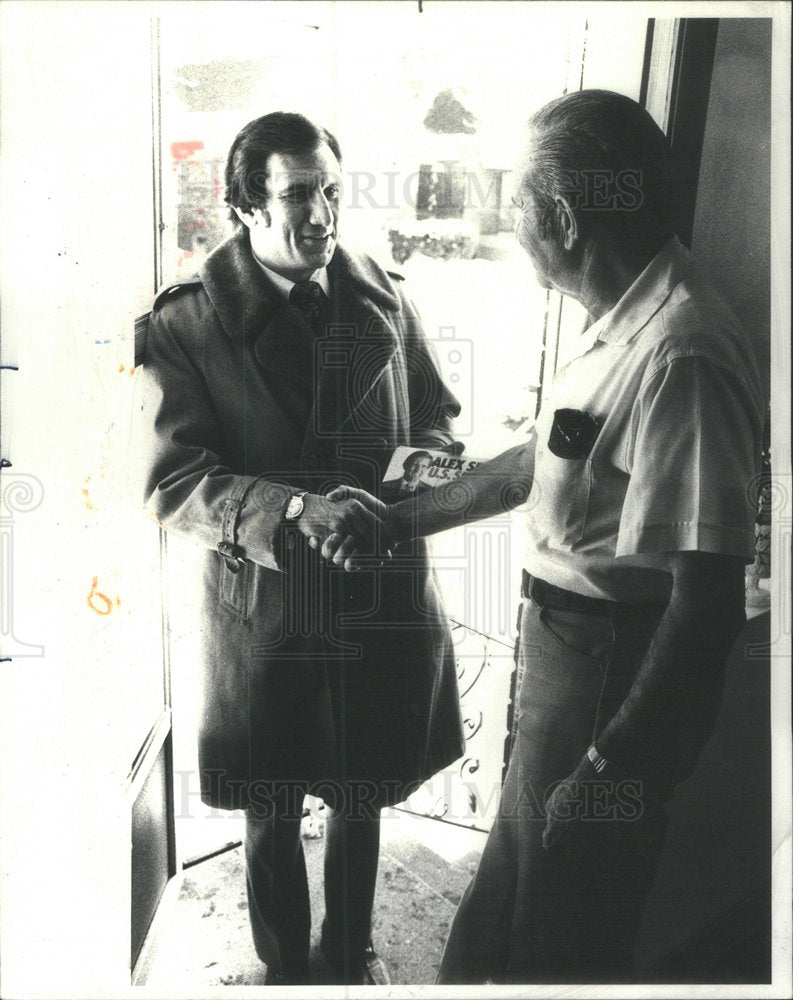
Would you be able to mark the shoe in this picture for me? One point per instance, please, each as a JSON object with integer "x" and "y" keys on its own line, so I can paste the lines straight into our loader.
{"x": 376, "y": 971}
{"x": 372, "y": 970}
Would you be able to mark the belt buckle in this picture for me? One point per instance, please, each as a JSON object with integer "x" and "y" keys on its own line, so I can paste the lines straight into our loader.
{"x": 232, "y": 556}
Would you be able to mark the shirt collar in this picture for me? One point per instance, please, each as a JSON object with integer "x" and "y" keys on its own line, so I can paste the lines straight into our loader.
{"x": 285, "y": 285}
{"x": 645, "y": 296}
{"x": 584, "y": 342}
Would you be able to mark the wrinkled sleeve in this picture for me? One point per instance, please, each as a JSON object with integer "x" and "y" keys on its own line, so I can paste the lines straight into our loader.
{"x": 693, "y": 455}
{"x": 187, "y": 485}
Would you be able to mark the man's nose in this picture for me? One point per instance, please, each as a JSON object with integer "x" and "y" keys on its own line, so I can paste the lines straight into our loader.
{"x": 321, "y": 214}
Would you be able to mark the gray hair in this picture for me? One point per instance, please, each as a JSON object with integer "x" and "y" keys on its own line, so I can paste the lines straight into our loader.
{"x": 606, "y": 155}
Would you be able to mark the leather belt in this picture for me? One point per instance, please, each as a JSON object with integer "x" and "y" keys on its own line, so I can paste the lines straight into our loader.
{"x": 546, "y": 595}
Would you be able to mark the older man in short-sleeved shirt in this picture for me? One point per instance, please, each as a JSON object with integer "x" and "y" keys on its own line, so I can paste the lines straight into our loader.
{"x": 639, "y": 523}
{"x": 675, "y": 398}
{"x": 636, "y": 475}
{"x": 668, "y": 376}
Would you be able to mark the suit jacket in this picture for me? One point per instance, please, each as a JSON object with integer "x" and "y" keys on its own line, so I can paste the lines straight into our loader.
{"x": 302, "y": 677}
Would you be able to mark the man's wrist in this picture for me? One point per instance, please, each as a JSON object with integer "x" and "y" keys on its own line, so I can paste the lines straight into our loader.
{"x": 400, "y": 520}
{"x": 600, "y": 764}
{"x": 295, "y": 506}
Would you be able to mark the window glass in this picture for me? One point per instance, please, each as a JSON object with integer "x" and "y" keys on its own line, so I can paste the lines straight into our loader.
{"x": 429, "y": 110}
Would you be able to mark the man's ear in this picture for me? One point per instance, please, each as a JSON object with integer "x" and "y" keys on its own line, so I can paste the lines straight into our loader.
{"x": 566, "y": 222}
{"x": 256, "y": 217}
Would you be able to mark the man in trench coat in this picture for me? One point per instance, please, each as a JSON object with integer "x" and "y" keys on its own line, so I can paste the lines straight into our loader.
{"x": 289, "y": 365}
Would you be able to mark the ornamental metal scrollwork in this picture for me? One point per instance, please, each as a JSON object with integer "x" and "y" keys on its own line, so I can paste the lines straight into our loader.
{"x": 469, "y": 766}
{"x": 461, "y": 674}
{"x": 440, "y": 807}
{"x": 471, "y": 726}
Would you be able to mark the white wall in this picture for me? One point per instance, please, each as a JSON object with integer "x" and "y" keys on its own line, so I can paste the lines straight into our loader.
{"x": 77, "y": 262}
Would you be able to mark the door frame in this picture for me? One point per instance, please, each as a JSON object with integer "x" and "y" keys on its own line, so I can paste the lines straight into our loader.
{"x": 150, "y": 782}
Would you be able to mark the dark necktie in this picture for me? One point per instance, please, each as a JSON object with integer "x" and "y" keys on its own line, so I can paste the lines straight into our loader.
{"x": 309, "y": 300}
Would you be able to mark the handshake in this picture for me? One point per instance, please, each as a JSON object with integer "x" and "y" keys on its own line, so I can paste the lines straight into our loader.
{"x": 350, "y": 527}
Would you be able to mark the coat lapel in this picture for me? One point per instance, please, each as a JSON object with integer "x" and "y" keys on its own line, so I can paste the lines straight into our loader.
{"x": 348, "y": 362}
{"x": 251, "y": 309}
{"x": 239, "y": 292}
{"x": 357, "y": 398}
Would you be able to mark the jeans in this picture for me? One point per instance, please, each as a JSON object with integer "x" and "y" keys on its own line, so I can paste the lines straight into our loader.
{"x": 530, "y": 916}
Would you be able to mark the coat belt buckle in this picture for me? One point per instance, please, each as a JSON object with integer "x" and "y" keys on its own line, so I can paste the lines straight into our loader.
{"x": 231, "y": 556}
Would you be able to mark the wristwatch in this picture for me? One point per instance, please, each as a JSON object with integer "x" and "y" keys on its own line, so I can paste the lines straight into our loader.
{"x": 295, "y": 506}
{"x": 597, "y": 760}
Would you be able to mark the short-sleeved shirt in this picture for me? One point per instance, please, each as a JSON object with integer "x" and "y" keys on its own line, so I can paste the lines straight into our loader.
{"x": 676, "y": 391}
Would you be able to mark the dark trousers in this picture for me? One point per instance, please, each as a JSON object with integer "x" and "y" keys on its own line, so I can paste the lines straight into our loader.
{"x": 529, "y": 916}
{"x": 278, "y": 897}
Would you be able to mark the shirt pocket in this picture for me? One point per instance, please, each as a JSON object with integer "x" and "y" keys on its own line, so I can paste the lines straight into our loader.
{"x": 562, "y": 488}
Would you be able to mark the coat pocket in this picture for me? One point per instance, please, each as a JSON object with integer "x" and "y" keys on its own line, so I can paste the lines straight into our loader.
{"x": 235, "y": 590}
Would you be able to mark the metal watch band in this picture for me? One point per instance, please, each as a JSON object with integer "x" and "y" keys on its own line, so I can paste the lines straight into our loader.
{"x": 597, "y": 760}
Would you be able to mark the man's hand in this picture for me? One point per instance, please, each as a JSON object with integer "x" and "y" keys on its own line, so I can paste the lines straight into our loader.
{"x": 354, "y": 550}
{"x": 565, "y": 807}
{"x": 372, "y": 504}
{"x": 336, "y": 523}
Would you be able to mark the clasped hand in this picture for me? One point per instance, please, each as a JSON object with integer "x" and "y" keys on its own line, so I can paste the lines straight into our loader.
{"x": 349, "y": 526}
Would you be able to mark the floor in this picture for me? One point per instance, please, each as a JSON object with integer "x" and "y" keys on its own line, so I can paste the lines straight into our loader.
{"x": 202, "y": 938}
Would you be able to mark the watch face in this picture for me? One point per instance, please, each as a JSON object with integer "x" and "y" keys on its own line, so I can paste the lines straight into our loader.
{"x": 294, "y": 509}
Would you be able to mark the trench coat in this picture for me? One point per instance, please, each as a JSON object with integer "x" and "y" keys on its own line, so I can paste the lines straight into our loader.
{"x": 309, "y": 674}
